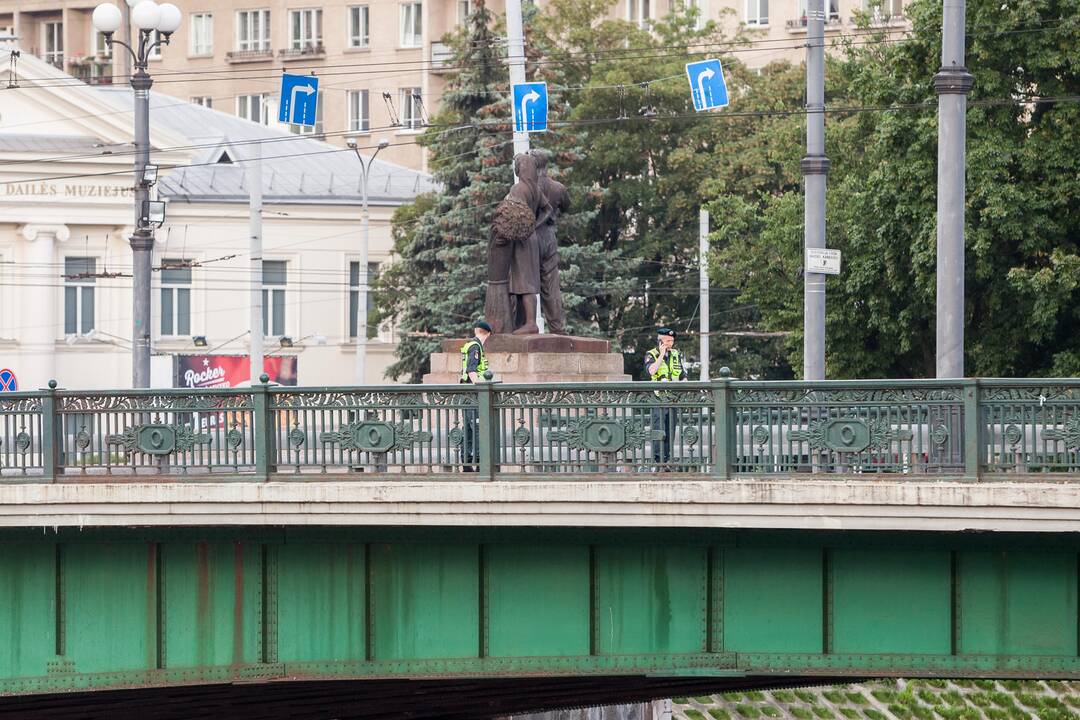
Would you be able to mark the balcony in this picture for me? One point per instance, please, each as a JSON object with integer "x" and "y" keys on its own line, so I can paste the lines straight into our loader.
{"x": 249, "y": 56}
{"x": 442, "y": 58}
{"x": 305, "y": 52}
{"x": 798, "y": 25}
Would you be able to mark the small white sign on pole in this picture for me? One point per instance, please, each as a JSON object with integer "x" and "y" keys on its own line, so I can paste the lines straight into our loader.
{"x": 823, "y": 260}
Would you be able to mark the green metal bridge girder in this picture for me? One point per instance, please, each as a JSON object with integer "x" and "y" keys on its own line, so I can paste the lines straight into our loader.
{"x": 112, "y": 608}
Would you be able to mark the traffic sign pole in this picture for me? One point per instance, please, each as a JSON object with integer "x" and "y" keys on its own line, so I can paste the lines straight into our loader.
{"x": 815, "y": 166}
{"x": 515, "y": 42}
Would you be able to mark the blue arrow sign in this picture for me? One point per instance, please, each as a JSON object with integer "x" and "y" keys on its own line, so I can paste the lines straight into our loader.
{"x": 299, "y": 99}
{"x": 530, "y": 107}
{"x": 707, "y": 87}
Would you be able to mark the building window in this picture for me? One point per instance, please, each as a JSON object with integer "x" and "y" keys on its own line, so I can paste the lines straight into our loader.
{"x": 54, "y": 43}
{"x": 273, "y": 297}
{"x": 305, "y": 29}
{"x": 79, "y": 295}
{"x": 702, "y": 12}
{"x": 175, "y": 297}
{"x": 155, "y": 42}
{"x": 881, "y": 9}
{"x": 253, "y": 108}
{"x": 204, "y": 100}
{"x": 833, "y": 10}
{"x": 101, "y": 48}
{"x": 757, "y": 12}
{"x": 253, "y": 30}
{"x": 411, "y": 24}
{"x": 354, "y": 299}
{"x": 317, "y": 128}
{"x": 202, "y": 34}
{"x": 464, "y": 10}
{"x": 359, "y": 119}
{"x": 639, "y": 12}
{"x": 359, "y": 29}
{"x": 411, "y": 117}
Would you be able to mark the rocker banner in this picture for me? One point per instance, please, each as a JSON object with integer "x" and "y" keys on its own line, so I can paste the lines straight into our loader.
{"x": 228, "y": 371}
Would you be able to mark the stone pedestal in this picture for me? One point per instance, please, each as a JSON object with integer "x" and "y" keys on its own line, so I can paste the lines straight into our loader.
{"x": 534, "y": 359}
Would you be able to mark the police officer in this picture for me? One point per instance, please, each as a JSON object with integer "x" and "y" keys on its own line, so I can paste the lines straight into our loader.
{"x": 473, "y": 366}
{"x": 664, "y": 364}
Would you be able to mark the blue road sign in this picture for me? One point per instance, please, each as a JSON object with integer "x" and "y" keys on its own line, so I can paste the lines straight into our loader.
{"x": 299, "y": 97}
{"x": 530, "y": 107}
{"x": 707, "y": 86}
{"x": 8, "y": 383}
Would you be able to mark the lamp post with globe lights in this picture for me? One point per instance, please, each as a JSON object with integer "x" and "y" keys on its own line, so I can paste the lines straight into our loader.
{"x": 148, "y": 17}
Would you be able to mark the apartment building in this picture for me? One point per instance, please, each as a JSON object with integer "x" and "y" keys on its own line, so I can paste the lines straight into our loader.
{"x": 381, "y": 62}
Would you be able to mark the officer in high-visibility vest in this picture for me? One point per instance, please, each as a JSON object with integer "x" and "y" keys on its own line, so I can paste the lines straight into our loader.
{"x": 664, "y": 364}
{"x": 473, "y": 366}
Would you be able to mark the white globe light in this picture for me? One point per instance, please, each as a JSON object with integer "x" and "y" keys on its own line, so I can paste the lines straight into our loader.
{"x": 145, "y": 15}
{"x": 169, "y": 22}
{"x": 106, "y": 18}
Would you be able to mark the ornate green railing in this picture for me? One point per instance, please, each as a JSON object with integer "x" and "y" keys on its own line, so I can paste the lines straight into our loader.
{"x": 971, "y": 428}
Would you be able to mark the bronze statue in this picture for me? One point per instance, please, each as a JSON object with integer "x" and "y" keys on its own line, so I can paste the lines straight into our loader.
{"x": 509, "y": 259}
{"x": 558, "y": 202}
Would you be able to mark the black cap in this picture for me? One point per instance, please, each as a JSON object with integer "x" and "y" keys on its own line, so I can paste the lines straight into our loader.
{"x": 665, "y": 331}
{"x": 482, "y": 325}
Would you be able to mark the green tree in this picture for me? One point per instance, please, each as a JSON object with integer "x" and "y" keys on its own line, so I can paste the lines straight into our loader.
{"x": 1023, "y": 222}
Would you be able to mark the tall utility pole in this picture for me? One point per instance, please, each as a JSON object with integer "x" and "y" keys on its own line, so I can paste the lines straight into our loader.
{"x": 360, "y": 363}
{"x": 703, "y": 291}
{"x": 515, "y": 50}
{"x": 254, "y": 172}
{"x": 952, "y": 84}
{"x": 815, "y": 166}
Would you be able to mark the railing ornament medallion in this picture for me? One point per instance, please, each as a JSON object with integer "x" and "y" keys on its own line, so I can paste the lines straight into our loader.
{"x": 377, "y": 437}
{"x": 849, "y": 434}
{"x": 158, "y": 439}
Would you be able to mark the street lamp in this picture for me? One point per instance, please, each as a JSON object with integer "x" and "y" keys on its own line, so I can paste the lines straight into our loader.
{"x": 148, "y": 17}
{"x": 362, "y": 291}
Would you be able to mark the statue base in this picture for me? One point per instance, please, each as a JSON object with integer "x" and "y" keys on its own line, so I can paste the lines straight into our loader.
{"x": 534, "y": 359}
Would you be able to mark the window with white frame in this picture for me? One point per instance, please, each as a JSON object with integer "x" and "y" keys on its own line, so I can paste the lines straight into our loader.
{"x": 252, "y": 30}
{"x": 203, "y": 100}
{"x": 355, "y": 288}
{"x": 884, "y": 8}
{"x": 359, "y": 111}
{"x": 175, "y": 297}
{"x": 156, "y": 42}
{"x": 411, "y": 117}
{"x": 412, "y": 24}
{"x": 464, "y": 10}
{"x": 317, "y": 128}
{"x": 79, "y": 294}
{"x": 702, "y": 11}
{"x": 359, "y": 26}
{"x": 639, "y": 12}
{"x": 253, "y": 108}
{"x": 275, "y": 277}
{"x": 53, "y": 42}
{"x": 757, "y": 12}
{"x": 101, "y": 48}
{"x": 201, "y": 40}
{"x": 833, "y": 11}
{"x": 305, "y": 29}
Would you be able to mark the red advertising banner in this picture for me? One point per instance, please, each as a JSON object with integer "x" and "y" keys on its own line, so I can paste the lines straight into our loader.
{"x": 228, "y": 371}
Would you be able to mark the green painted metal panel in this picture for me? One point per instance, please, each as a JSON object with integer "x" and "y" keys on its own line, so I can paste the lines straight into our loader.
{"x": 1017, "y": 602}
{"x": 771, "y": 599}
{"x": 890, "y": 601}
{"x": 27, "y": 608}
{"x": 651, "y": 599}
{"x": 212, "y": 610}
{"x": 537, "y": 600}
{"x": 425, "y": 600}
{"x": 320, "y": 602}
{"x": 110, "y": 602}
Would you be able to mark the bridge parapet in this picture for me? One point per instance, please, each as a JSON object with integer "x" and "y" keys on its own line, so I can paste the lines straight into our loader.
{"x": 981, "y": 429}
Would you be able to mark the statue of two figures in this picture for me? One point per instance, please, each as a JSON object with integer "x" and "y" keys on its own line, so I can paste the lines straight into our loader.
{"x": 523, "y": 255}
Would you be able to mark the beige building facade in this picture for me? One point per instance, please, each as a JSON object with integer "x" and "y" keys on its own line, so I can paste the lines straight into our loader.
{"x": 66, "y": 215}
{"x": 381, "y": 63}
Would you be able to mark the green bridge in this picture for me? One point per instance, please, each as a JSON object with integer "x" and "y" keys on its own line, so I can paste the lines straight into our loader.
{"x": 496, "y": 538}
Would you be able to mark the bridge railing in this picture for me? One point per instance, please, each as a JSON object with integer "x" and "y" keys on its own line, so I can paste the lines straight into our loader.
{"x": 974, "y": 429}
